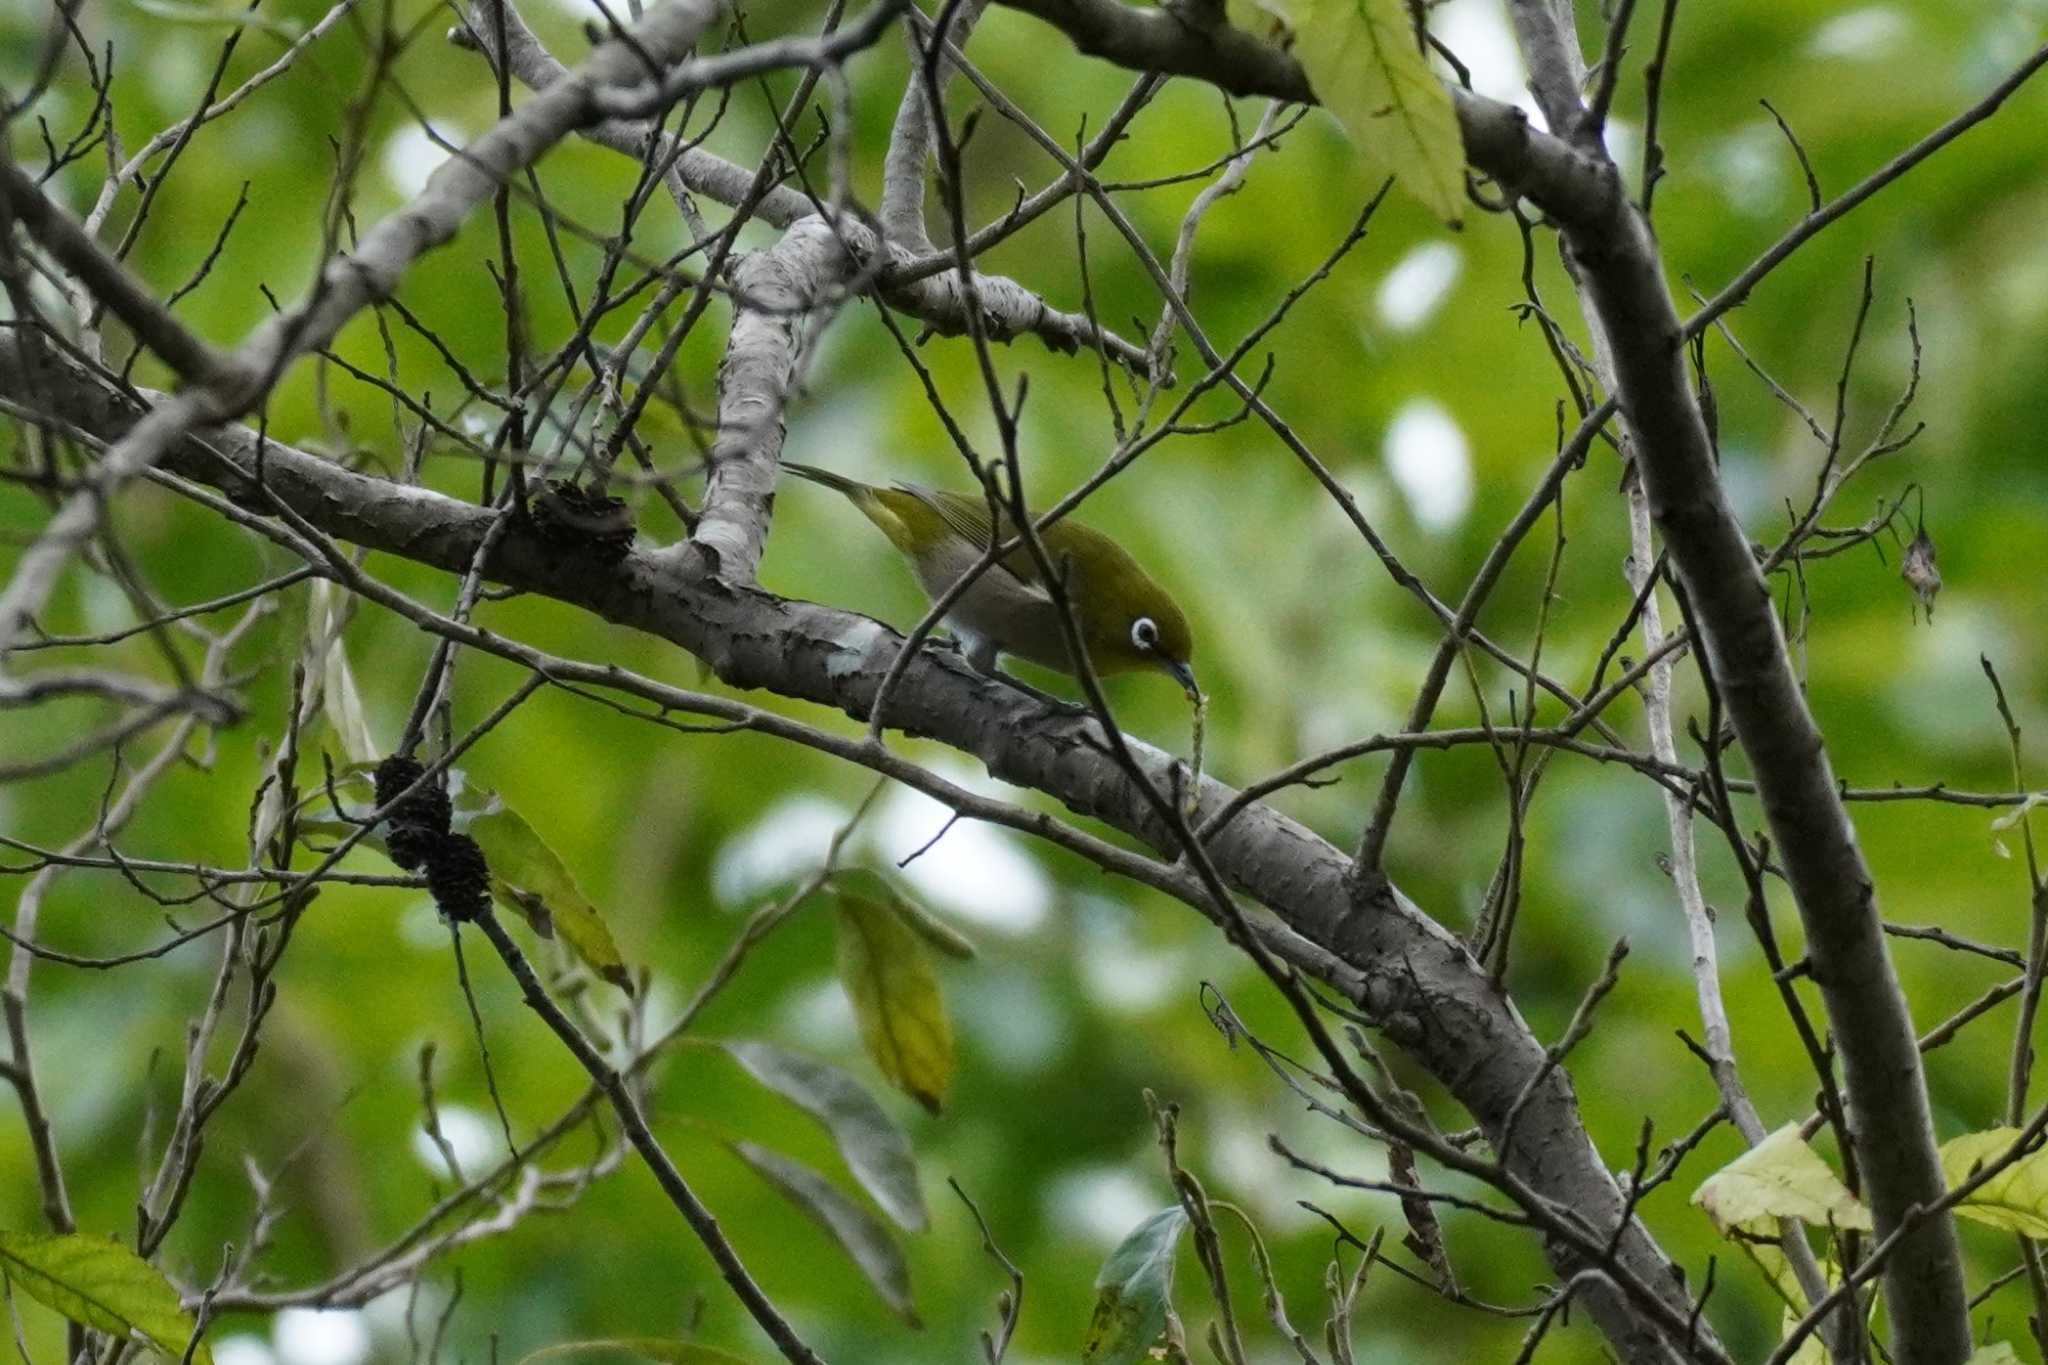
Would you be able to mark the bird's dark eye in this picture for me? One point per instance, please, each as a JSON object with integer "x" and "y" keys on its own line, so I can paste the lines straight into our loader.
{"x": 1144, "y": 634}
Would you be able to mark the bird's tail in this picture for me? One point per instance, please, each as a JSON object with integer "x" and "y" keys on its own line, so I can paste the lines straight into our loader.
{"x": 882, "y": 506}
{"x": 853, "y": 488}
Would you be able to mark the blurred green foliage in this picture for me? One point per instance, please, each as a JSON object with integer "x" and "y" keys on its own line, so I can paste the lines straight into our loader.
{"x": 1085, "y": 991}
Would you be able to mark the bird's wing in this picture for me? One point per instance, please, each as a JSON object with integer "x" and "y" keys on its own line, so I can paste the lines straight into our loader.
{"x": 967, "y": 516}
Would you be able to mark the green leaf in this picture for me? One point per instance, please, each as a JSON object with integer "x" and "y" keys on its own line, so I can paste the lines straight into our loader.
{"x": 1133, "y": 1292}
{"x": 1997, "y": 1353}
{"x": 528, "y": 877}
{"x": 101, "y": 1284}
{"x": 1361, "y": 59}
{"x": 863, "y": 1237}
{"x": 1780, "y": 1177}
{"x": 874, "y": 1148}
{"x": 896, "y": 999}
{"x": 660, "y": 1349}
{"x": 2015, "y": 1198}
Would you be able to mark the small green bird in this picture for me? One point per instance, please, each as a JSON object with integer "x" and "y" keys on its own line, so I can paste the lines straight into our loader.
{"x": 1127, "y": 620}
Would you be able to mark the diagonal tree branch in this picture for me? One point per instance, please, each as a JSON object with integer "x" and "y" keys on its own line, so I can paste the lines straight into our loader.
{"x": 1401, "y": 968}
{"x": 1498, "y": 138}
{"x": 1622, "y": 284}
{"x": 71, "y": 246}
{"x": 1620, "y": 278}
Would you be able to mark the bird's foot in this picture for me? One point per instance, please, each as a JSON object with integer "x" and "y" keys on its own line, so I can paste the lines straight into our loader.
{"x": 1059, "y": 706}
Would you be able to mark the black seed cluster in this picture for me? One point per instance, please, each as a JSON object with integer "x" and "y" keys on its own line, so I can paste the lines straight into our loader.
{"x": 567, "y": 516}
{"x": 416, "y": 831}
{"x": 458, "y": 878}
{"x": 418, "y": 822}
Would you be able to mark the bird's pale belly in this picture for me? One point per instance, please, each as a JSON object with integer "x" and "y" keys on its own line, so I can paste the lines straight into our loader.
{"x": 998, "y": 614}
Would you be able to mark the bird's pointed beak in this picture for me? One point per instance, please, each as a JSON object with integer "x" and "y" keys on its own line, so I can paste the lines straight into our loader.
{"x": 1185, "y": 676}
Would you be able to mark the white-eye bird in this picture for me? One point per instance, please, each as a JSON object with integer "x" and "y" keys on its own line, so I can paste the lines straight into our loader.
{"x": 1127, "y": 621}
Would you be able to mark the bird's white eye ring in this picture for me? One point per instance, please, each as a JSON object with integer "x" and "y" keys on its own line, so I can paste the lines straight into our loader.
{"x": 1144, "y": 634}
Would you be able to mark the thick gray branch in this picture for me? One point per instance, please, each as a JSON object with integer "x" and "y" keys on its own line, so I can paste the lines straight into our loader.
{"x": 776, "y": 289}
{"x": 1412, "y": 976}
{"x": 910, "y": 141}
{"x": 1867, "y": 1011}
{"x": 1627, "y": 298}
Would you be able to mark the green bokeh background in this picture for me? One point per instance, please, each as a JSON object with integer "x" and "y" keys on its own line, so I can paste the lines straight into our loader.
{"x": 1086, "y": 990}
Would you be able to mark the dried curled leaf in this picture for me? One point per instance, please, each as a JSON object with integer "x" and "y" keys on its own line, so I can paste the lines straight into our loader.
{"x": 340, "y": 702}
{"x": 1134, "y": 1292}
{"x": 1916, "y": 566}
{"x": 2016, "y": 816}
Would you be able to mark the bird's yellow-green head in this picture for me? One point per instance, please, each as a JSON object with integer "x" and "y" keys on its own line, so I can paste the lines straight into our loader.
{"x": 1127, "y": 620}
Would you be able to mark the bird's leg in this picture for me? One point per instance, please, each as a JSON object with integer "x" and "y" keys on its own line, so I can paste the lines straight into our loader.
{"x": 1043, "y": 698}
{"x": 981, "y": 652}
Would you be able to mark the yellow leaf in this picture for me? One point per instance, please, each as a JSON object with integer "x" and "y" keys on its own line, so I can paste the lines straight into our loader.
{"x": 889, "y": 977}
{"x": 1812, "y": 1351}
{"x": 933, "y": 930}
{"x": 1780, "y": 1177}
{"x": 1361, "y": 59}
{"x": 2016, "y": 1198}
